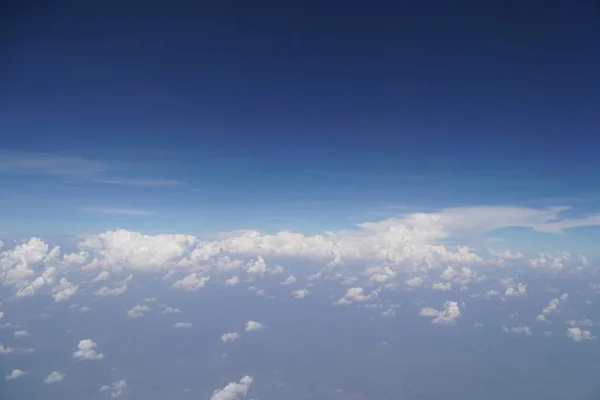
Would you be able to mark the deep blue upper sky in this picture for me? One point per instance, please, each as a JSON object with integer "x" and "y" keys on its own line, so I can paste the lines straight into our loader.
{"x": 425, "y": 103}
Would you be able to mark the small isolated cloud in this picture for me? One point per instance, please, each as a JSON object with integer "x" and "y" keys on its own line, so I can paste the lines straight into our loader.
{"x": 233, "y": 390}
{"x": 389, "y": 313}
{"x": 447, "y": 316}
{"x": 105, "y": 291}
{"x": 579, "y": 335}
{"x": 230, "y": 337}
{"x": 13, "y": 350}
{"x": 518, "y": 290}
{"x": 117, "y": 211}
{"x": 116, "y": 389}
{"x": 444, "y": 286}
{"x": 170, "y": 310}
{"x": 582, "y": 322}
{"x": 138, "y": 311}
{"x": 254, "y": 326}
{"x": 290, "y": 279}
{"x": 300, "y": 294}
{"x": 179, "y": 325}
{"x": 192, "y": 282}
{"x": 232, "y": 281}
{"x": 16, "y": 373}
{"x": 55, "y": 376}
{"x": 524, "y": 330}
{"x": 19, "y": 334}
{"x": 356, "y": 294}
{"x": 64, "y": 290}
{"x": 417, "y": 281}
{"x": 86, "y": 350}
{"x": 258, "y": 291}
{"x": 102, "y": 276}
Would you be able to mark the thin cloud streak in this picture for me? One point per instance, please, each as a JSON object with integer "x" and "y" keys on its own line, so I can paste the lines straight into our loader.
{"x": 117, "y": 211}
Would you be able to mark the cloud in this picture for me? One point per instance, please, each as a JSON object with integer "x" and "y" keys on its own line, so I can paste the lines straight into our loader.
{"x": 16, "y": 373}
{"x": 518, "y": 290}
{"x": 117, "y": 211}
{"x": 13, "y": 350}
{"x": 582, "y": 322}
{"x": 233, "y": 390}
{"x": 138, "y": 311}
{"x": 86, "y": 350}
{"x": 447, "y": 316}
{"x": 517, "y": 329}
{"x": 356, "y": 294}
{"x": 254, "y": 326}
{"x": 300, "y": 294}
{"x": 116, "y": 389}
{"x": 170, "y": 310}
{"x": 182, "y": 325}
{"x": 444, "y": 286}
{"x": 140, "y": 182}
{"x": 230, "y": 337}
{"x": 54, "y": 376}
{"x": 579, "y": 335}
{"x": 105, "y": 291}
{"x": 232, "y": 281}
{"x": 64, "y": 290}
{"x": 102, "y": 276}
{"x": 192, "y": 282}
{"x": 19, "y": 334}
{"x": 417, "y": 281}
{"x": 290, "y": 279}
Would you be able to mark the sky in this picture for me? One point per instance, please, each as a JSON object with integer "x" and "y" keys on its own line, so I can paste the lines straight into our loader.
{"x": 414, "y": 172}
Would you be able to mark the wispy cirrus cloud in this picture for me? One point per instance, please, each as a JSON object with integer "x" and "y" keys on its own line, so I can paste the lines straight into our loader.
{"x": 117, "y": 211}
{"x": 98, "y": 171}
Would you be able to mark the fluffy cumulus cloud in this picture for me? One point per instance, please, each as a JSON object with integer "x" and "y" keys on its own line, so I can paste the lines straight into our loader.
{"x": 254, "y": 326}
{"x": 191, "y": 282}
{"x": 64, "y": 290}
{"x": 138, "y": 311}
{"x": 86, "y": 350}
{"x": 300, "y": 293}
{"x": 106, "y": 291}
{"x": 356, "y": 294}
{"x": 579, "y": 335}
{"x": 116, "y": 389}
{"x": 15, "y": 373}
{"x": 54, "y": 377}
{"x": 233, "y": 390}
{"x": 446, "y": 316}
{"x": 230, "y": 337}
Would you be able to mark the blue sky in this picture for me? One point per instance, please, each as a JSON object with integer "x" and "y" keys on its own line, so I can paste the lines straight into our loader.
{"x": 266, "y": 118}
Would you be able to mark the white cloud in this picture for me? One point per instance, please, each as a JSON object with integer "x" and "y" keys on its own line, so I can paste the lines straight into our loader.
{"x": 182, "y": 325}
{"x": 447, "y": 316}
{"x": 64, "y": 290}
{"x": 259, "y": 292}
{"x": 389, "y": 313}
{"x": 579, "y": 335}
{"x": 444, "y": 286}
{"x": 518, "y": 290}
{"x": 518, "y": 329}
{"x": 233, "y": 390}
{"x": 417, "y": 281}
{"x": 462, "y": 276}
{"x": 13, "y": 350}
{"x": 230, "y": 337}
{"x": 138, "y": 311}
{"x": 300, "y": 294}
{"x": 102, "y": 276}
{"x": 256, "y": 267}
{"x": 549, "y": 262}
{"x": 290, "y": 279}
{"x": 19, "y": 334}
{"x": 170, "y": 310}
{"x": 277, "y": 270}
{"x": 234, "y": 280}
{"x": 16, "y": 373}
{"x": 253, "y": 326}
{"x": 582, "y": 322}
{"x": 116, "y": 389}
{"x": 86, "y": 350}
{"x": 356, "y": 294}
{"x": 192, "y": 282}
{"x": 105, "y": 291}
{"x": 54, "y": 376}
